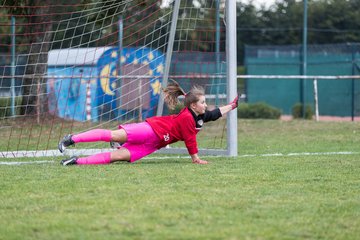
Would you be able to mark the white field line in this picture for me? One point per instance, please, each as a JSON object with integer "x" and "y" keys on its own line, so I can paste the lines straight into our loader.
{"x": 28, "y": 162}
{"x": 181, "y": 157}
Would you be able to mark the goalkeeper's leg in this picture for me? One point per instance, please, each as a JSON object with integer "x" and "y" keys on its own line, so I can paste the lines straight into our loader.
{"x": 93, "y": 136}
{"x": 121, "y": 154}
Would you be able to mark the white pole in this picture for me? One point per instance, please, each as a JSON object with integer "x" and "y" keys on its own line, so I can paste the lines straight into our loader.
{"x": 140, "y": 99}
{"x": 13, "y": 46}
{"x": 316, "y": 100}
{"x": 168, "y": 55}
{"x": 231, "y": 75}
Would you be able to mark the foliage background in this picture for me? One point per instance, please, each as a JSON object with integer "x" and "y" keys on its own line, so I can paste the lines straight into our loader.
{"x": 329, "y": 21}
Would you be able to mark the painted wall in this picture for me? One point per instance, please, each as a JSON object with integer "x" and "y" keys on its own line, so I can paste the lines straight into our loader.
{"x": 83, "y": 83}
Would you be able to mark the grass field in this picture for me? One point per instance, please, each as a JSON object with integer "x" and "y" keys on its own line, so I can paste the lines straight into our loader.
{"x": 312, "y": 191}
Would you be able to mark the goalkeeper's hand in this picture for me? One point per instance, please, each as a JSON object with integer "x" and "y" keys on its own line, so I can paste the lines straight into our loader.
{"x": 199, "y": 161}
{"x": 195, "y": 159}
{"x": 234, "y": 104}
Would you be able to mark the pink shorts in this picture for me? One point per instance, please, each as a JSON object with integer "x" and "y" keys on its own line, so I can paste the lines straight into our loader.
{"x": 141, "y": 140}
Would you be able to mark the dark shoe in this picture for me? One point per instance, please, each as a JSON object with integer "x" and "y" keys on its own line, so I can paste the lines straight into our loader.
{"x": 115, "y": 144}
{"x": 69, "y": 161}
{"x": 65, "y": 142}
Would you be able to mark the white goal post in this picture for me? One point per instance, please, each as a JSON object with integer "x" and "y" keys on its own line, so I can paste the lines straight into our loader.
{"x": 232, "y": 133}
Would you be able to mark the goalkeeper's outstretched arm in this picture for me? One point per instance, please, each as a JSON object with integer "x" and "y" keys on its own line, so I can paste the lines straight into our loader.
{"x": 227, "y": 108}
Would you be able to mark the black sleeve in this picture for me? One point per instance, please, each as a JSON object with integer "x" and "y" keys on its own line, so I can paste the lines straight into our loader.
{"x": 212, "y": 115}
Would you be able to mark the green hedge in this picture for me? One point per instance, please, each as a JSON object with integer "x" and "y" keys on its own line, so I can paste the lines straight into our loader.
{"x": 297, "y": 111}
{"x": 245, "y": 110}
{"x": 258, "y": 110}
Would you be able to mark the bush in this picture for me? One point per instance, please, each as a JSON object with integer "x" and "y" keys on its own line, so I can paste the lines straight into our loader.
{"x": 298, "y": 113}
{"x": 258, "y": 110}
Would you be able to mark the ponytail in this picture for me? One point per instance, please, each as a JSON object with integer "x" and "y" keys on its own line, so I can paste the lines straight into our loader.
{"x": 173, "y": 91}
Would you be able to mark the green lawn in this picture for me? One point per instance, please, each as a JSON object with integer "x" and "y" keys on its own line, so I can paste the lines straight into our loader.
{"x": 254, "y": 197}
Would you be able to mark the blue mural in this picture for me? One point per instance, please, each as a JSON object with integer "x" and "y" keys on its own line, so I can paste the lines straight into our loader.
{"x": 108, "y": 83}
{"x": 84, "y": 88}
{"x": 67, "y": 92}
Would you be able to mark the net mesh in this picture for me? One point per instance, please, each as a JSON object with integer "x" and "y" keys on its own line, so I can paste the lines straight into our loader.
{"x": 67, "y": 67}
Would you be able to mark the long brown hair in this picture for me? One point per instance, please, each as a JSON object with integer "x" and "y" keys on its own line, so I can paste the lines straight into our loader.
{"x": 173, "y": 91}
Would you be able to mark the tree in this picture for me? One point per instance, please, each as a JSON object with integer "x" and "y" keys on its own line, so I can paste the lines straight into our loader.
{"x": 334, "y": 21}
{"x": 37, "y": 36}
{"x": 329, "y": 21}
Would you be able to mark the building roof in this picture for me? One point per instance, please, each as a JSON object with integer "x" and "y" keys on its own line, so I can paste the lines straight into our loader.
{"x": 75, "y": 56}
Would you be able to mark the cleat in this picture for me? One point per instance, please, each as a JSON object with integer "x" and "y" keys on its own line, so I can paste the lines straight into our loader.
{"x": 69, "y": 161}
{"x": 115, "y": 144}
{"x": 65, "y": 142}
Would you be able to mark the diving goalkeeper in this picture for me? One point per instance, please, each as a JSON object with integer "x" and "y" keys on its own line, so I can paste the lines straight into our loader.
{"x": 138, "y": 140}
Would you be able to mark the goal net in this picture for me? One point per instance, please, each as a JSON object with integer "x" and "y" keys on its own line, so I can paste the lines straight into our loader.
{"x": 71, "y": 66}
